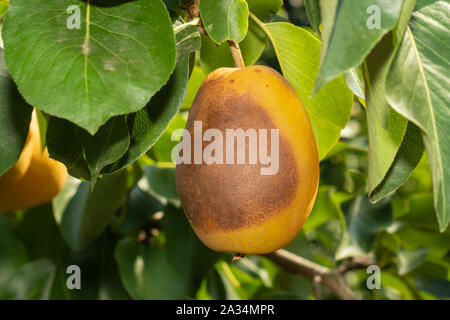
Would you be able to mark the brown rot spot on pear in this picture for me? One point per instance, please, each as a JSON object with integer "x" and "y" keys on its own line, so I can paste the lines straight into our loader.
{"x": 231, "y": 80}
{"x": 234, "y": 196}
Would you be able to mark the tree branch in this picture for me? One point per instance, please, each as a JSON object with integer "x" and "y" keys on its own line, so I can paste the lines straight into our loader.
{"x": 192, "y": 7}
{"x": 332, "y": 279}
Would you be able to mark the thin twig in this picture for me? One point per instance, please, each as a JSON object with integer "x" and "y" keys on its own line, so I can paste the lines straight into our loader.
{"x": 331, "y": 279}
{"x": 317, "y": 281}
{"x": 192, "y": 7}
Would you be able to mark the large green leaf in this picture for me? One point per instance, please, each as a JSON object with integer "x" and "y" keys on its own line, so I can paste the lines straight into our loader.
{"x": 147, "y": 125}
{"x": 113, "y": 64}
{"x": 298, "y": 53}
{"x": 15, "y": 117}
{"x": 343, "y": 47}
{"x": 213, "y": 56}
{"x": 394, "y": 150}
{"x": 386, "y": 127}
{"x": 416, "y": 88}
{"x": 83, "y": 215}
{"x": 144, "y": 127}
{"x": 224, "y": 20}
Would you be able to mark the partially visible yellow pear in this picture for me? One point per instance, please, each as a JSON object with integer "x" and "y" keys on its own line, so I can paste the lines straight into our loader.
{"x": 21, "y": 166}
{"x": 35, "y": 179}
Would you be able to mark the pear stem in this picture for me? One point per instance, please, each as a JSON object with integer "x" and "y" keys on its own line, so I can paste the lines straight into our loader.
{"x": 236, "y": 53}
{"x": 238, "y": 256}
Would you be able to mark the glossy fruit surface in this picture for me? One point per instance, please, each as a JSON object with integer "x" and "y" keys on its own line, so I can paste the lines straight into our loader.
{"x": 233, "y": 207}
{"x": 42, "y": 180}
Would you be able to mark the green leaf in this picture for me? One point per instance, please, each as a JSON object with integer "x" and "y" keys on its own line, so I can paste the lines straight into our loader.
{"x": 108, "y": 145}
{"x": 80, "y": 74}
{"x": 172, "y": 4}
{"x": 438, "y": 243}
{"x": 324, "y": 209}
{"x": 82, "y": 215}
{"x": 187, "y": 38}
{"x": 394, "y": 150}
{"x": 144, "y": 127}
{"x": 99, "y": 274}
{"x": 194, "y": 83}
{"x": 438, "y": 288}
{"x": 262, "y": 8}
{"x": 414, "y": 88}
{"x": 32, "y": 281}
{"x": 147, "y": 126}
{"x": 140, "y": 206}
{"x": 13, "y": 252}
{"x": 224, "y": 20}
{"x": 162, "y": 181}
{"x": 45, "y": 241}
{"x": 213, "y": 56}
{"x": 146, "y": 272}
{"x": 313, "y": 14}
{"x": 15, "y": 117}
{"x": 162, "y": 150}
{"x": 343, "y": 47}
{"x": 386, "y": 127}
{"x": 406, "y": 159}
{"x": 3, "y": 7}
{"x": 355, "y": 82}
{"x": 364, "y": 222}
{"x": 184, "y": 248}
{"x": 64, "y": 146}
{"x": 409, "y": 260}
{"x": 298, "y": 53}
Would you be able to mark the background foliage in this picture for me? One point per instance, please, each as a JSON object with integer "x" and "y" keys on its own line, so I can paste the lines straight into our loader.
{"x": 112, "y": 92}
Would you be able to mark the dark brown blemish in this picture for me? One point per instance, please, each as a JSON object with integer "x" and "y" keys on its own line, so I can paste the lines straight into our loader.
{"x": 234, "y": 196}
{"x": 232, "y": 80}
{"x": 257, "y": 70}
{"x": 267, "y": 85}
